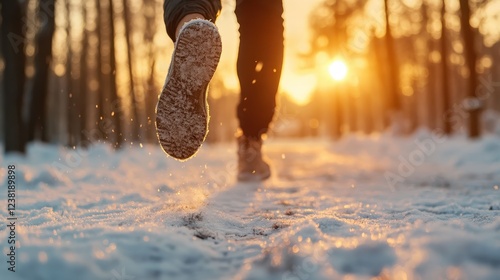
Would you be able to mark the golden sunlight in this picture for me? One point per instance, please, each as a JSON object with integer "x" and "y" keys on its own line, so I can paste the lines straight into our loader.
{"x": 338, "y": 70}
{"x": 299, "y": 87}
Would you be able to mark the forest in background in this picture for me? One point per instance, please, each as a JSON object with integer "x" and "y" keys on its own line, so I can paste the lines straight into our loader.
{"x": 95, "y": 77}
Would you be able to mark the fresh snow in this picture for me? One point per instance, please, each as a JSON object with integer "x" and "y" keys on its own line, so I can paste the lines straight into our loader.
{"x": 421, "y": 207}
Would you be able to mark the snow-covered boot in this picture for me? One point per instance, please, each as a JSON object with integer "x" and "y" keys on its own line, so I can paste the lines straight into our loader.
{"x": 251, "y": 165}
{"x": 182, "y": 110}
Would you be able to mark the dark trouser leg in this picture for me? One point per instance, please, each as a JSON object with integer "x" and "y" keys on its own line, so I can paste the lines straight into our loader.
{"x": 175, "y": 10}
{"x": 260, "y": 61}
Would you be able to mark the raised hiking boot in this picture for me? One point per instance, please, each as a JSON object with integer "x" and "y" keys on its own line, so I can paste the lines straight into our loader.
{"x": 182, "y": 109}
{"x": 251, "y": 165}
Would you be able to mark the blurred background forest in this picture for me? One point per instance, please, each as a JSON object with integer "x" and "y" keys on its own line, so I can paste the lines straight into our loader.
{"x": 80, "y": 72}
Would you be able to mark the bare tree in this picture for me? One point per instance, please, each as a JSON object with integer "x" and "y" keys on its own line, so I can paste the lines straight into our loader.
{"x": 82, "y": 108}
{"x": 71, "y": 90}
{"x": 394, "y": 102}
{"x": 445, "y": 75}
{"x": 13, "y": 43}
{"x": 130, "y": 52}
{"x": 151, "y": 88}
{"x": 117, "y": 115}
{"x": 472, "y": 103}
{"x": 432, "y": 80}
{"x": 38, "y": 104}
{"x": 102, "y": 99}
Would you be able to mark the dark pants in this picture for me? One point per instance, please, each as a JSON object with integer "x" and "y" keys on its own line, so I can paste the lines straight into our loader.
{"x": 260, "y": 55}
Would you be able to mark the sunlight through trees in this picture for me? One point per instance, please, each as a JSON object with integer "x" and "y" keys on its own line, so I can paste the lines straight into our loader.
{"x": 78, "y": 72}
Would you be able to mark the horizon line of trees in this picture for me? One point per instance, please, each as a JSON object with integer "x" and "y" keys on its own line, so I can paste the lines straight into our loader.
{"x": 80, "y": 72}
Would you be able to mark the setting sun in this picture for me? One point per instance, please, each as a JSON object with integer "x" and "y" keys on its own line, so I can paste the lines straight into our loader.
{"x": 338, "y": 70}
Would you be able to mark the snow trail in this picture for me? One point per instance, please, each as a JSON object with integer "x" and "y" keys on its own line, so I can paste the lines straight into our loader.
{"x": 328, "y": 212}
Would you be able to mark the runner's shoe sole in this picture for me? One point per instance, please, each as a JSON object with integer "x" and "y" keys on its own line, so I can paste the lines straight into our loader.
{"x": 182, "y": 110}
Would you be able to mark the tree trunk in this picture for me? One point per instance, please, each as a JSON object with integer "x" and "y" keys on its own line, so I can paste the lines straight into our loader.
{"x": 495, "y": 72}
{"x": 352, "y": 109}
{"x": 151, "y": 92}
{"x": 82, "y": 107}
{"x": 393, "y": 102}
{"x": 382, "y": 76}
{"x": 338, "y": 115}
{"x": 151, "y": 100}
{"x": 102, "y": 91}
{"x": 13, "y": 43}
{"x": 445, "y": 75}
{"x": 72, "y": 97}
{"x": 38, "y": 106}
{"x": 133, "y": 94}
{"x": 430, "y": 94}
{"x": 118, "y": 113}
{"x": 472, "y": 102}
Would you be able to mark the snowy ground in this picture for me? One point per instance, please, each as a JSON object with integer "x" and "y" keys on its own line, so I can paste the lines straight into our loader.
{"x": 362, "y": 208}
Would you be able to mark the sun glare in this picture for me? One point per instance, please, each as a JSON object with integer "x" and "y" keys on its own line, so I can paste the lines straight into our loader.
{"x": 338, "y": 70}
{"x": 299, "y": 87}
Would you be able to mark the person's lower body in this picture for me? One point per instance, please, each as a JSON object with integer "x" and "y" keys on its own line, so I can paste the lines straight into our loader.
{"x": 260, "y": 60}
{"x": 259, "y": 65}
{"x": 259, "y": 68}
